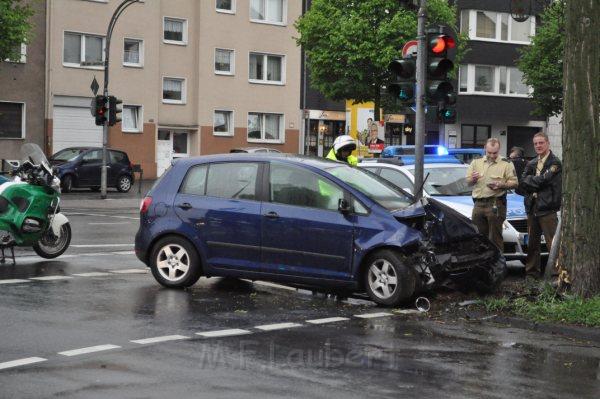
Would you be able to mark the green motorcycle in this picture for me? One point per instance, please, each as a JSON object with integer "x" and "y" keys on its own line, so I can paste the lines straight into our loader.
{"x": 29, "y": 208}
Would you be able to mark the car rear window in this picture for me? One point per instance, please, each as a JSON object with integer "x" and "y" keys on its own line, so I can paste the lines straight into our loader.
{"x": 118, "y": 157}
{"x": 195, "y": 181}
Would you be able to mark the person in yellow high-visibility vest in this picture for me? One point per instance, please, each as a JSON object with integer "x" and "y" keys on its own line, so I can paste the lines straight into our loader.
{"x": 342, "y": 150}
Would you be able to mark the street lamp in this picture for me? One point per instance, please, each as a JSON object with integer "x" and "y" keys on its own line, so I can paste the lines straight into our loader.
{"x": 111, "y": 25}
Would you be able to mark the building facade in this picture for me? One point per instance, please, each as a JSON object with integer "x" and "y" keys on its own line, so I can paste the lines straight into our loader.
{"x": 22, "y": 88}
{"x": 195, "y": 77}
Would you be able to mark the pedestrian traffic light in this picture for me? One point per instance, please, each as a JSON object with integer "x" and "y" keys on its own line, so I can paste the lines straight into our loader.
{"x": 99, "y": 109}
{"x": 439, "y": 87}
{"x": 114, "y": 111}
{"x": 447, "y": 114}
{"x": 402, "y": 84}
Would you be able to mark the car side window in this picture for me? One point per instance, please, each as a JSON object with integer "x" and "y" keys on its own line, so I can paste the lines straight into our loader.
{"x": 195, "y": 181}
{"x": 116, "y": 157}
{"x": 397, "y": 178}
{"x": 236, "y": 180}
{"x": 93, "y": 156}
{"x": 300, "y": 187}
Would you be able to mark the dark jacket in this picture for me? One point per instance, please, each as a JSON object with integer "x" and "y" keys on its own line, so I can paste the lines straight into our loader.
{"x": 548, "y": 186}
{"x": 519, "y": 164}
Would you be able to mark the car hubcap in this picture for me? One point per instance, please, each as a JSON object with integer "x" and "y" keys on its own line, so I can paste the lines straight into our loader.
{"x": 382, "y": 279}
{"x": 125, "y": 184}
{"x": 173, "y": 262}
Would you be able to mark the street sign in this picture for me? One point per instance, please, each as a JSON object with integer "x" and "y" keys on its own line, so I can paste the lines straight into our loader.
{"x": 94, "y": 86}
{"x": 410, "y": 49}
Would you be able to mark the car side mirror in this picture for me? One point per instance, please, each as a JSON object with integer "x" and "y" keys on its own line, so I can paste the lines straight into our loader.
{"x": 344, "y": 206}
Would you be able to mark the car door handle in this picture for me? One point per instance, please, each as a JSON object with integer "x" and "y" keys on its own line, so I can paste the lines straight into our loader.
{"x": 272, "y": 215}
{"x": 185, "y": 206}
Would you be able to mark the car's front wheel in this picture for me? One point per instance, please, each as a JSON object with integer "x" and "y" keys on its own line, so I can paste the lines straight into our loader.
{"x": 175, "y": 263}
{"x": 124, "y": 183}
{"x": 388, "y": 280}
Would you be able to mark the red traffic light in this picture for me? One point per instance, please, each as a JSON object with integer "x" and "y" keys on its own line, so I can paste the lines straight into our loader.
{"x": 441, "y": 43}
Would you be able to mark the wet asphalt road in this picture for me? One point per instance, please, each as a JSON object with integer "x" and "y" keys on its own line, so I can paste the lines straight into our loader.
{"x": 55, "y": 321}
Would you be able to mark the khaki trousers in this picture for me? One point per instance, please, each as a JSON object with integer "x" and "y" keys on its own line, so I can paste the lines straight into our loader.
{"x": 488, "y": 222}
{"x": 536, "y": 225}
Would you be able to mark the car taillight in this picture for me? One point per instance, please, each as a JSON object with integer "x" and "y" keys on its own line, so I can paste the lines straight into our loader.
{"x": 146, "y": 202}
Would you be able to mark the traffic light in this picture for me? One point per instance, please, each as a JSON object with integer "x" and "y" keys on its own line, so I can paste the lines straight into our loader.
{"x": 99, "y": 109}
{"x": 402, "y": 85}
{"x": 447, "y": 114}
{"x": 439, "y": 87}
{"x": 114, "y": 111}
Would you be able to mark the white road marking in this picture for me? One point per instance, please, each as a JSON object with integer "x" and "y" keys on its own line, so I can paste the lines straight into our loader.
{"x": 278, "y": 326}
{"x": 97, "y": 214}
{"x": 223, "y": 333}
{"x": 123, "y": 252}
{"x": 50, "y": 278}
{"x": 14, "y": 281}
{"x": 327, "y": 320}
{"x": 373, "y": 315}
{"x": 154, "y": 340}
{"x": 89, "y": 349}
{"x": 21, "y": 362}
{"x": 126, "y": 271}
{"x": 107, "y": 223}
{"x": 100, "y": 245}
{"x": 92, "y": 274}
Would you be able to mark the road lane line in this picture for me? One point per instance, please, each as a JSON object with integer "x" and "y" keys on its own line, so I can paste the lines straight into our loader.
{"x": 223, "y": 333}
{"x": 105, "y": 216}
{"x": 14, "y": 281}
{"x": 123, "y": 252}
{"x": 154, "y": 340}
{"x": 107, "y": 223}
{"x": 373, "y": 315}
{"x": 50, "y": 278}
{"x": 89, "y": 349}
{"x": 128, "y": 271}
{"x": 92, "y": 274}
{"x": 278, "y": 326}
{"x": 327, "y": 320}
{"x": 100, "y": 245}
{"x": 21, "y": 362}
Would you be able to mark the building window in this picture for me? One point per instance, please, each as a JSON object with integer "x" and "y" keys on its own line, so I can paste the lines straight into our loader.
{"x": 227, "y": 6}
{"x": 132, "y": 118}
{"x": 496, "y": 26}
{"x": 175, "y": 31}
{"x": 494, "y": 80}
{"x": 173, "y": 90}
{"x": 265, "y": 127}
{"x": 224, "y": 61}
{"x": 266, "y": 68}
{"x": 270, "y": 11}
{"x": 222, "y": 123}
{"x": 83, "y": 50}
{"x": 133, "y": 52}
{"x": 474, "y": 136}
{"x": 12, "y": 120}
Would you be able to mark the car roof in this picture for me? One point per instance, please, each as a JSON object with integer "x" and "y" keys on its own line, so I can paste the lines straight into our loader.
{"x": 252, "y": 149}
{"x": 88, "y": 148}
{"x": 316, "y": 162}
{"x": 391, "y": 165}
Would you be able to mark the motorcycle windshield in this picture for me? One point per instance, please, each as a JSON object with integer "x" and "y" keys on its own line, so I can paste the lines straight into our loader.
{"x": 33, "y": 153}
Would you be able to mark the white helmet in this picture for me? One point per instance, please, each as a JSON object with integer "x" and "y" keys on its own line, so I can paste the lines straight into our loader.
{"x": 344, "y": 142}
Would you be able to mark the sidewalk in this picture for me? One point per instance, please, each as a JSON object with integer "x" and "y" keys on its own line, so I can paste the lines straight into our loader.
{"x": 86, "y": 199}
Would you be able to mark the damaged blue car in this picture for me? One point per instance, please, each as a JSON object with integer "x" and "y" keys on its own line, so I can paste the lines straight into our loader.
{"x": 307, "y": 222}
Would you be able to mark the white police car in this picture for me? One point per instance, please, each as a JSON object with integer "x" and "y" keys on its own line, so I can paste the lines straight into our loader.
{"x": 447, "y": 184}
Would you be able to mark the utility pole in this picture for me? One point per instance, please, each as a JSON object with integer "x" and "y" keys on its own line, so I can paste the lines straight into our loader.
{"x": 111, "y": 25}
{"x": 420, "y": 99}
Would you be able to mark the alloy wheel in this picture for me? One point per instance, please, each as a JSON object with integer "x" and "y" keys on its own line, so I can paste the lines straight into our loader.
{"x": 124, "y": 184}
{"x": 173, "y": 262}
{"x": 383, "y": 279}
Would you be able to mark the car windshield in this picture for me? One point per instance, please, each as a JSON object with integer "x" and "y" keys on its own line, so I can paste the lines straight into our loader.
{"x": 447, "y": 181}
{"x": 66, "y": 154}
{"x": 371, "y": 185}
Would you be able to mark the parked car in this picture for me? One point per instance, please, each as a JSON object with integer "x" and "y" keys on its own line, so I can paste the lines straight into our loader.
{"x": 447, "y": 183}
{"x": 81, "y": 167}
{"x": 254, "y": 150}
{"x": 306, "y": 221}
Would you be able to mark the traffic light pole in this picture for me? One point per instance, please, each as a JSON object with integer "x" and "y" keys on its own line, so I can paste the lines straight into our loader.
{"x": 420, "y": 99}
{"x": 111, "y": 25}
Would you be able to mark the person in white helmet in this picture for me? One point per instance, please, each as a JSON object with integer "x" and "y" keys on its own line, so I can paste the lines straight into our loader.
{"x": 342, "y": 150}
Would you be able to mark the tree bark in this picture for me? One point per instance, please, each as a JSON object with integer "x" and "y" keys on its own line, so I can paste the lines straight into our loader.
{"x": 579, "y": 252}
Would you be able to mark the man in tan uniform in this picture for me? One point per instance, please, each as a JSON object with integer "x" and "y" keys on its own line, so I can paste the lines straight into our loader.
{"x": 491, "y": 176}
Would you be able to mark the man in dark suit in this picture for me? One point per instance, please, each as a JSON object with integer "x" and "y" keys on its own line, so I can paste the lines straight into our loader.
{"x": 542, "y": 184}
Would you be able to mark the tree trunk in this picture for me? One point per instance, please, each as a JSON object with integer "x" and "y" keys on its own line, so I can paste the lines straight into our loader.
{"x": 580, "y": 247}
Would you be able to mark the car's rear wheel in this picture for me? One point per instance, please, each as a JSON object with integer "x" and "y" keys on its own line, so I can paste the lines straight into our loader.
{"x": 67, "y": 183}
{"x": 388, "y": 280}
{"x": 175, "y": 263}
{"x": 124, "y": 183}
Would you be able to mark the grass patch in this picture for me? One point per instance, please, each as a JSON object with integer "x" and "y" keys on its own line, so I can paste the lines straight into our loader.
{"x": 546, "y": 305}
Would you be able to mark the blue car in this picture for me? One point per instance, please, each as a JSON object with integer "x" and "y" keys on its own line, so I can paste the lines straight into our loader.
{"x": 306, "y": 222}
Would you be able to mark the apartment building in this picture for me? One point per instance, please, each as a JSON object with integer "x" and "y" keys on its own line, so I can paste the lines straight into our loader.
{"x": 22, "y": 86}
{"x": 196, "y": 77}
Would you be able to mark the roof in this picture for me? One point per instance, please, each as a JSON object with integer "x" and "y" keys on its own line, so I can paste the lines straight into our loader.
{"x": 316, "y": 162}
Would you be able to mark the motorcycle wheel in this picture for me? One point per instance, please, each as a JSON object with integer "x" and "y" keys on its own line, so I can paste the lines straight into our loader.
{"x": 49, "y": 246}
